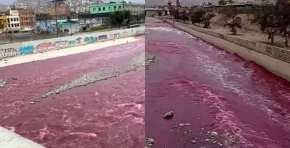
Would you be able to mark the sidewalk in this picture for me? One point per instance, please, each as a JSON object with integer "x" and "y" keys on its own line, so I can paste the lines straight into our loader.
{"x": 65, "y": 52}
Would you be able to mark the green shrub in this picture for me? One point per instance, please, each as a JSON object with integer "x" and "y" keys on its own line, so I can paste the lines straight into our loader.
{"x": 99, "y": 28}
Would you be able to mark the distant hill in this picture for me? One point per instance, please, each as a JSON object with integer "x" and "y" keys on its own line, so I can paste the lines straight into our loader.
{"x": 3, "y": 8}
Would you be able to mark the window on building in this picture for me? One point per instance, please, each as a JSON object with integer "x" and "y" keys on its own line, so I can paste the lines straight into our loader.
{"x": 119, "y": 7}
{"x": 12, "y": 25}
{"x": 104, "y": 8}
{"x": 99, "y": 9}
{"x": 109, "y": 8}
{"x": 94, "y": 9}
{"x": 114, "y": 7}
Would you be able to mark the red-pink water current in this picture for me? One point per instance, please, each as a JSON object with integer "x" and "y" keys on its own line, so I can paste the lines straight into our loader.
{"x": 213, "y": 90}
{"x": 107, "y": 114}
{"x": 205, "y": 86}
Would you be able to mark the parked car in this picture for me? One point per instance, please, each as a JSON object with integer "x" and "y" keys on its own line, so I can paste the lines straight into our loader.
{"x": 133, "y": 26}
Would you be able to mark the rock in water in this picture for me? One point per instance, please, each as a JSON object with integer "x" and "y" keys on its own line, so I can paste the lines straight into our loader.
{"x": 168, "y": 115}
{"x": 214, "y": 133}
{"x": 2, "y": 83}
{"x": 193, "y": 141}
{"x": 149, "y": 142}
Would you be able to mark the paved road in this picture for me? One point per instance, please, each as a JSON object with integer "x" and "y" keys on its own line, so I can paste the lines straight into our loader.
{"x": 218, "y": 99}
{"x": 88, "y": 100}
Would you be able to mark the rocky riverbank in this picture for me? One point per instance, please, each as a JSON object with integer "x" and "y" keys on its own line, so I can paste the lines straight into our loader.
{"x": 142, "y": 60}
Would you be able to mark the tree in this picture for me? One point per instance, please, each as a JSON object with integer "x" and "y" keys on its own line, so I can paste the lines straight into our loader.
{"x": 176, "y": 14}
{"x": 117, "y": 18}
{"x": 231, "y": 1}
{"x": 184, "y": 16}
{"x": 235, "y": 23}
{"x": 178, "y": 5}
{"x": 159, "y": 12}
{"x": 277, "y": 21}
{"x": 270, "y": 25}
{"x": 196, "y": 17}
{"x": 222, "y": 2}
{"x": 127, "y": 16}
{"x": 206, "y": 19}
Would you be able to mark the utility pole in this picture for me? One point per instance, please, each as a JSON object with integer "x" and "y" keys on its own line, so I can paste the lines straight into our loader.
{"x": 123, "y": 4}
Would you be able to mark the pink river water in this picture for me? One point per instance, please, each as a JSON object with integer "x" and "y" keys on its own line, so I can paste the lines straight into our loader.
{"x": 107, "y": 114}
{"x": 214, "y": 91}
{"x": 205, "y": 86}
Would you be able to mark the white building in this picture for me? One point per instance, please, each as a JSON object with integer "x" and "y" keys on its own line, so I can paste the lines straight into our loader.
{"x": 136, "y": 9}
{"x": 13, "y": 20}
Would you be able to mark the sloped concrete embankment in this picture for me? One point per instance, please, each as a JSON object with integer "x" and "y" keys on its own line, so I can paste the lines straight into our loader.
{"x": 274, "y": 59}
{"x": 40, "y": 46}
{"x": 9, "y": 139}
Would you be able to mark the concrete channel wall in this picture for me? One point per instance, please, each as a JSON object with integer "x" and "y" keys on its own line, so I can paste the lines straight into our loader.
{"x": 39, "y": 46}
{"x": 274, "y": 59}
{"x": 9, "y": 139}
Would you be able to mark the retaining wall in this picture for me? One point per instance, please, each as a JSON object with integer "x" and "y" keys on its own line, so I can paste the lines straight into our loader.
{"x": 274, "y": 59}
{"x": 39, "y": 46}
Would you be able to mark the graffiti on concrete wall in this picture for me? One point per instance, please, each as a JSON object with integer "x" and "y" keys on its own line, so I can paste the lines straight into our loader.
{"x": 79, "y": 40}
{"x": 44, "y": 47}
{"x": 139, "y": 31}
{"x": 26, "y": 50}
{"x": 8, "y": 52}
{"x": 117, "y": 35}
{"x": 61, "y": 44}
{"x": 111, "y": 36}
{"x": 57, "y": 44}
{"x": 90, "y": 40}
{"x": 125, "y": 34}
{"x": 72, "y": 43}
{"x": 102, "y": 37}
{"x": 132, "y": 32}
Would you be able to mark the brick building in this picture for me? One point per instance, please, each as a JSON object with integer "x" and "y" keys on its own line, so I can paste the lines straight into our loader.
{"x": 27, "y": 18}
{"x": 62, "y": 10}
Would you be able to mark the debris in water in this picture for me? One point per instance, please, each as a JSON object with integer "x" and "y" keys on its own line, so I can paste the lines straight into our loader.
{"x": 168, "y": 115}
{"x": 181, "y": 124}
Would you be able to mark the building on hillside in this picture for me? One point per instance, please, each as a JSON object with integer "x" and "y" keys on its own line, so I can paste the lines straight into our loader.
{"x": 136, "y": 9}
{"x": 3, "y": 22}
{"x": 27, "y": 18}
{"x": 59, "y": 10}
{"x": 43, "y": 17}
{"x": 13, "y": 20}
{"x": 3, "y": 8}
{"x": 97, "y": 8}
